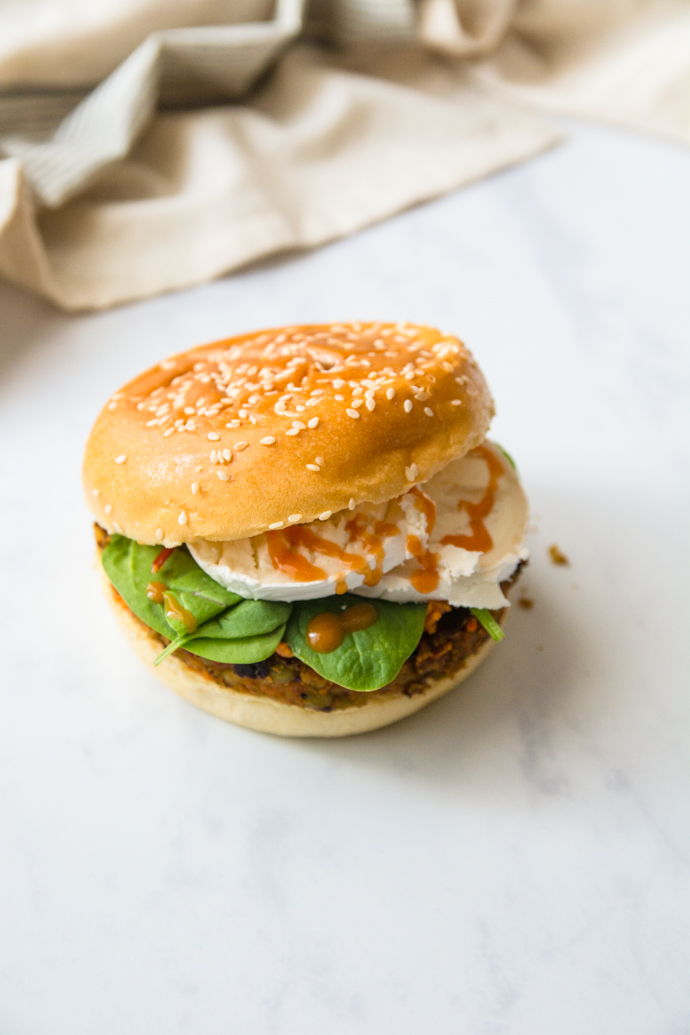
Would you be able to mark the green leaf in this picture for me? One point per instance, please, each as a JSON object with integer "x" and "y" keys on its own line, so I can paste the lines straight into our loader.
{"x": 367, "y": 659}
{"x": 250, "y": 618}
{"x": 230, "y": 629}
{"x": 507, "y": 456}
{"x": 244, "y": 651}
{"x": 128, "y": 566}
{"x": 486, "y": 619}
{"x": 250, "y": 621}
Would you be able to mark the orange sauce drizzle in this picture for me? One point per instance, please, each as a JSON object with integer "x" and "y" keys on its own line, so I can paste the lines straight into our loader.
{"x": 425, "y": 578}
{"x": 326, "y": 631}
{"x": 427, "y": 507}
{"x": 480, "y": 539}
{"x": 174, "y": 609}
{"x": 284, "y": 559}
{"x": 155, "y": 591}
{"x": 160, "y": 559}
{"x": 282, "y": 544}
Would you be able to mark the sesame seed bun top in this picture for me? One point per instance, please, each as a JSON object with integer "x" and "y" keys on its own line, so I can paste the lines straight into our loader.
{"x": 279, "y": 427}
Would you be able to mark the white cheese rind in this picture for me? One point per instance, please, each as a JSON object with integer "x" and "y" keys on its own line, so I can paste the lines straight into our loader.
{"x": 466, "y": 578}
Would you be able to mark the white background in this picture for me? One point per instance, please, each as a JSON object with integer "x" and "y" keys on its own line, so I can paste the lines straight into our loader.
{"x": 510, "y": 861}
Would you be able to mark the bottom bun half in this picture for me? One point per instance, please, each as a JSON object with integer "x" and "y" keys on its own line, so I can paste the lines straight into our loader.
{"x": 265, "y": 714}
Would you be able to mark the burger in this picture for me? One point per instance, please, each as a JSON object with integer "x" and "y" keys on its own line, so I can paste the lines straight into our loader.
{"x": 305, "y": 530}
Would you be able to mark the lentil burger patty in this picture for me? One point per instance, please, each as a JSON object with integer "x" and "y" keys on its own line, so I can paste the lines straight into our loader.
{"x": 452, "y": 635}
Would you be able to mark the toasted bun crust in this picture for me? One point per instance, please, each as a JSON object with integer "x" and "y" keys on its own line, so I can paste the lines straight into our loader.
{"x": 279, "y": 426}
{"x": 263, "y": 713}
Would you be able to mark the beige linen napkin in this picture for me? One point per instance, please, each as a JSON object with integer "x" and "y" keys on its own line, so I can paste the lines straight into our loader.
{"x": 103, "y": 200}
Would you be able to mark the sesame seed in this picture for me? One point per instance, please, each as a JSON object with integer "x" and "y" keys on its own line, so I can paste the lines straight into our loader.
{"x": 111, "y": 406}
{"x": 227, "y": 455}
{"x": 189, "y": 410}
{"x": 317, "y": 391}
{"x": 338, "y": 383}
{"x": 411, "y": 472}
{"x": 299, "y": 425}
{"x": 339, "y": 398}
{"x": 429, "y": 412}
{"x": 195, "y": 488}
{"x": 356, "y": 403}
{"x": 407, "y": 405}
{"x": 371, "y": 405}
{"x": 213, "y": 457}
{"x": 313, "y": 467}
{"x": 268, "y": 441}
{"x": 320, "y": 461}
{"x": 300, "y": 409}
{"x": 244, "y": 414}
{"x": 313, "y": 423}
{"x": 295, "y": 517}
{"x": 422, "y": 396}
{"x": 241, "y": 445}
{"x": 456, "y": 402}
{"x": 94, "y": 493}
{"x": 254, "y": 398}
{"x": 120, "y": 459}
{"x": 213, "y": 436}
{"x": 325, "y": 516}
{"x": 223, "y": 475}
{"x": 358, "y": 390}
{"x": 159, "y": 533}
{"x": 168, "y": 433}
{"x": 353, "y": 413}
{"x": 276, "y": 524}
{"x": 150, "y": 423}
{"x": 182, "y": 519}
{"x": 351, "y": 505}
{"x": 292, "y": 431}
{"x": 390, "y": 393}
{"x": 107, "y": 508}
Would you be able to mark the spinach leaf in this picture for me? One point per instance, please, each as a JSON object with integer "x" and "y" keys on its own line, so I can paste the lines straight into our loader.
{"x": 244, "y": 651}
{"x": 128, "y": 566}
{"x": 367, "y": 659}
{"x": 239, "y": 627}
{"x": 230, "y": 629}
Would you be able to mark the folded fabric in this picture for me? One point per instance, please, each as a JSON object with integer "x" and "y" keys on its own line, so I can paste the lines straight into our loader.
{"x": 131, "y": 188}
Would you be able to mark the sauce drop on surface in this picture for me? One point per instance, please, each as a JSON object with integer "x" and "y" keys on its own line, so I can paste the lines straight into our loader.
{"x": 161, "y": 558}
{"x": 480, "y": 540}
{"x": 557, "y": 557}
{"x": 326, "y": 632}
{"x": 155, "y": 591}
{"x": 174, "y": 609}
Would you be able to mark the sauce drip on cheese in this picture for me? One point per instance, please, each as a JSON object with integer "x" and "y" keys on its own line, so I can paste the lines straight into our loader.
{"x": 425, "y": 578}
{"x": 326, "y": 632}
{"x": 480, "y": 539}
{"x": 284, "y": 556}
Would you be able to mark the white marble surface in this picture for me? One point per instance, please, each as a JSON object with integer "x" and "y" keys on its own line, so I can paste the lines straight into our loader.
{"x": 513, "y": 860}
